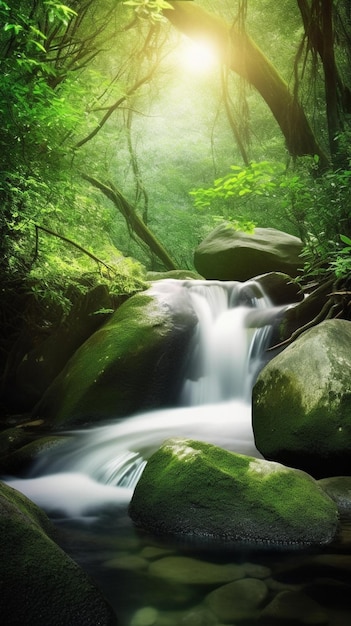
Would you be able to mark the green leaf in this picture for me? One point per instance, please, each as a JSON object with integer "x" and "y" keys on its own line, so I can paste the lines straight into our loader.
{"x": 38, "y": 45}
{"x": 17, "y": 28}
{"x": 38, "y": 32}
{"x": 345, "y": 239}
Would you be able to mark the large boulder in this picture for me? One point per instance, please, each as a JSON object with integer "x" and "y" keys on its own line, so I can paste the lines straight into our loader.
{"x": 194, "y": 489}
{"x": 39, "y": 583}
{"x": 126, "y": 365}
{"x": 302, "y": 402}
{"x": 229, "y": 254}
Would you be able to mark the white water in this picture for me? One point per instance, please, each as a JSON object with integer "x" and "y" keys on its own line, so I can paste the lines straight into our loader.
{"x": 100, "y": 467}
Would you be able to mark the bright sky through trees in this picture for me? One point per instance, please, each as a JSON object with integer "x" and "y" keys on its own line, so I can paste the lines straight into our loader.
{"x": 197, "y": 56}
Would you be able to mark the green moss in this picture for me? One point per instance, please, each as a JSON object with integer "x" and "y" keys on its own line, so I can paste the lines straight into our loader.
{"x": 115, "y": 369}
{"x": 193, "y": 487}
{"x": 281, "y": 422}
{"x": 39, "y": 583}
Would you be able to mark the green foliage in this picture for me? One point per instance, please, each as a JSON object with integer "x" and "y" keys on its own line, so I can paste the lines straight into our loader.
{"x": 341, "y": 264}
{"x": 35, "y": 120}
{"x": 58, "y": 11}
{"x": 149, "y": 9}
{"x": 256, "y": 179}
{"x": 62, "y": 273}
{"x": 43, "y": 104}
{"x": 51, "y": 96}
{"x": 241, "y": 194}
{"x": 320, "y": 207}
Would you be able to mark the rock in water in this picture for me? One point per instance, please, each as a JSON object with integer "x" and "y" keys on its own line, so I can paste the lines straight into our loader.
{"x": 126, "y": 366}
{"x": 301, "y": 406}
{"x": 39, "y": 583}
{"x": 194, "y": 489}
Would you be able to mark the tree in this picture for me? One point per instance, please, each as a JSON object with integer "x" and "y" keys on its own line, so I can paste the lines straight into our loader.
{"x": 326, "y": 25}
{"x": 240, "y": 54}
{"x": 48, "y": 50}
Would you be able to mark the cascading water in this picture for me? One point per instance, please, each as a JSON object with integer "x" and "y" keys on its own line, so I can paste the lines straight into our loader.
{"x": 101, "y": 466}
{"x": 85, "y": 485}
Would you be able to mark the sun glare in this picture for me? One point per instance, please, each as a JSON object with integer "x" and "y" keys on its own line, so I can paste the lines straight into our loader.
{"x": 198, "y": 56}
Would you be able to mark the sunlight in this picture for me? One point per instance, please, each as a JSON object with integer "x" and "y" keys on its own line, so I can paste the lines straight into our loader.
{"x": 197, "y": 56}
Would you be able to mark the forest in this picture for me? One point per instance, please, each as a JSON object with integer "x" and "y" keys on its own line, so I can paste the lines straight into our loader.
{"x": 175, "y": 440}
{"x": 131, "y": 128}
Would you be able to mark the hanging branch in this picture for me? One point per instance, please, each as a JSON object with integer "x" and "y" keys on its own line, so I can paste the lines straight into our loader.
{"x": 232, "y": 123}
{"x": 140, "y": 191}
{"x": 69, "y": 241}
{"x": 134, "y": 222}
{"x": 129, "y": 92}
{"x": 113, "y": 108}
{"x": 246, "y": 59}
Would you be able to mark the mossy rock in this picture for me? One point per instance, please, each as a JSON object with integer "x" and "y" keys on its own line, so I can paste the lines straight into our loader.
{"x": 174, "y": 274}
{"x": 229, "y": 254}
{"x": 127, "y": 365}
{"x": 21, "y": 457}
{"x": 39, "y": 583}
{"x": 280, "y": 288}
{"x": 198, "y": 490}
{"x": 302, "y": 402}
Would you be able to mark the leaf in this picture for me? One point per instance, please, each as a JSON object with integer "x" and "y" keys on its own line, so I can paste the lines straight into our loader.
{"x": 38, "y": 32}
{"x": 38, "y": 45}
{"x": 345, "y": 239}
{"x": 15, "y": 27}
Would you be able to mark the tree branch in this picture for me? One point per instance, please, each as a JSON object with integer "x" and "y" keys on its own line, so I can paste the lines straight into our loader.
{"x": 239, "y": 52}
{"x": 72, "y": 243}
{"x": 133, "y": 220}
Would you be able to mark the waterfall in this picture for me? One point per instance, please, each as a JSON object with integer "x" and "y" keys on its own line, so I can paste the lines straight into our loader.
{"x": 102, "y": 465}
{"x": 225, "y": 346}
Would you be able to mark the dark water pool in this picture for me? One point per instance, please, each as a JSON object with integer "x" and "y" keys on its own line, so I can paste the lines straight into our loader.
{"x": 154, "y": 582}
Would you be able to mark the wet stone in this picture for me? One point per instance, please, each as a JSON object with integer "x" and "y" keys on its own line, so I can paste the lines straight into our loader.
{"x": 136, "y": 589}
{"x": 127, "y": 562}
{"x": 194, "y": 616}
{"x": 255, "y": 570}
{"x": 339, "y": 489}
{"x": 153, "y": 552}
{"x": 147, "y": 616}
{"x": 240, "y": 600}
{"x": 195, "y": 572}
{"x": 295, "y": 608}
{"x": 276, "y": 585}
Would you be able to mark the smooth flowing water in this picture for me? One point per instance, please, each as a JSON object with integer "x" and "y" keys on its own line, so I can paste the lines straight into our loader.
{"x": 102, "y": 465}
{"x": 86, "y": 484}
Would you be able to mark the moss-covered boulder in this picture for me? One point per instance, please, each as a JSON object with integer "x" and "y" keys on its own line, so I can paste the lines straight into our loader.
{"x": 39, "y": 583}
{"x": 127, "y": 364}
{"x": 280, "y": 288}
{"x": 229, "y": 254}
{"x": 174, "y": 275}
{"x": 198, "y": 490}
{"x": 302, "y": 402}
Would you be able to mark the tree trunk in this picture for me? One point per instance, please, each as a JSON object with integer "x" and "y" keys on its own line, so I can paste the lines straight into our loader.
{"x": 135, "y": 223}
{"x": 319, "y": 29}
{"x": 240, "y": 53}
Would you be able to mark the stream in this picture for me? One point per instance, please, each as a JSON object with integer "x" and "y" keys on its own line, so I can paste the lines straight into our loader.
{"x": 85, "y": 486}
